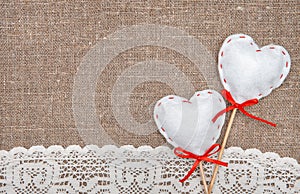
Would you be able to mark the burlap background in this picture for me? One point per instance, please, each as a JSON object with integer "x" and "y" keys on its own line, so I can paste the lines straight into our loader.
{"x": 43, "y": 44}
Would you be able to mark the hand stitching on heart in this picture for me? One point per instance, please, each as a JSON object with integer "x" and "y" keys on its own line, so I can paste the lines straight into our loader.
{"x": 249, "y": 72}
{"x": 187, "y": 123}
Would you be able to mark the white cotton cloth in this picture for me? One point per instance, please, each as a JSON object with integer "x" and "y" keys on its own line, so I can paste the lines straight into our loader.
{"x": 250, "y": 72}
{"x": 188, "y": 123}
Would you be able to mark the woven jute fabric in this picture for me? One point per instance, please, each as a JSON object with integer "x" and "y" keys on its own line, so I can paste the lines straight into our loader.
{"x": 44, "y": 49}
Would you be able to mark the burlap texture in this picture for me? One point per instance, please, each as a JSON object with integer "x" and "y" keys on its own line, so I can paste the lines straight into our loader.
{"x": 43, "y": 44}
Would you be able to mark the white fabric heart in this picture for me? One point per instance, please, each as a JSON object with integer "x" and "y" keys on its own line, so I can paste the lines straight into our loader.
{"x": 187, "y": 123}
{"x": 249, "y": 72}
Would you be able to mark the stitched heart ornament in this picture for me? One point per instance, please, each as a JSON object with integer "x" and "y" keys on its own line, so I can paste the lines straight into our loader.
{"x": 249, "y": 72}
{"x": 187, "y": 123}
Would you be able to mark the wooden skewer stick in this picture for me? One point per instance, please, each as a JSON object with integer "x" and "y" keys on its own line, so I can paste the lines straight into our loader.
{"x": 203, "y": 178}
{"x": 222, "y": 150}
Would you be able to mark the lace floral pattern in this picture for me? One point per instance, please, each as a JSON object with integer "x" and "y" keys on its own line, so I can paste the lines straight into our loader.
{"x": 140, "y": 170}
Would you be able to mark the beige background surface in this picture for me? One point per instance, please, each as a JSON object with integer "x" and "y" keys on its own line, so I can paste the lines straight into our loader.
{"x": 43, "y": 43}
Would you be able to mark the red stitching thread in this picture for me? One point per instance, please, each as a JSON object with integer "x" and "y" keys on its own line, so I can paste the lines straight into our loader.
{"x": 222, "y": 53}
{"x": 171, "y": 97}
{"x": 221, "y": 66}
{"x": 209, "y": 92}
{"x": 225, "y": 80}
{"x": 287, "y": 64}
{"x": 283, "y": 52}
{"x": 242, "y": 36}
{"x": 258, "y": 50}
{"x": 259, "y": 94}
{"x": 251, "y": 43}
{"x": 229, "y": 41}
{"x": 187, "y": 101}
{"x": 156, "y": 116}
{"x": 170, "y": 139}
{"x": 272, "y": 47}
{"x": 198, "y": 94}
{"x": 271, "y": 87}
{"x": 163, "y": 129}
{"x": 281, "y": 76}
{"x": 159, "y": 104}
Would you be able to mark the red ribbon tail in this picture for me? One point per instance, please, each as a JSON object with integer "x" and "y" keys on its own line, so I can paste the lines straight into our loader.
{"x": 221, "y": 113}
{"x": 251, "y": 102}
{"x": 218, "y": 162}
{"x": 257, "y": 118}
{"x": 205, "y": 157}
{"x": 190, "y": 172}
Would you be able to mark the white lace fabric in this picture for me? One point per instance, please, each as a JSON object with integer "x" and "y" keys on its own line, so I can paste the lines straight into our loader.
{"x": 140, "y": 170}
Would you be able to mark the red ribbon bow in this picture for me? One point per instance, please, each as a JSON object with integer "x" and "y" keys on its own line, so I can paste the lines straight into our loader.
{"x": 234, "y": 105}
{"x": 205, "y": 157}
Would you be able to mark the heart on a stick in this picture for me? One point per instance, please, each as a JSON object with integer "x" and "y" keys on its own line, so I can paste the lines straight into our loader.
{"x": 249, "y": 72}
{"x": 187, "y": 123}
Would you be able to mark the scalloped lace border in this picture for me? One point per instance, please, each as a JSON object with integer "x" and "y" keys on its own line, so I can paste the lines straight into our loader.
{"x": 126, "y": 169}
